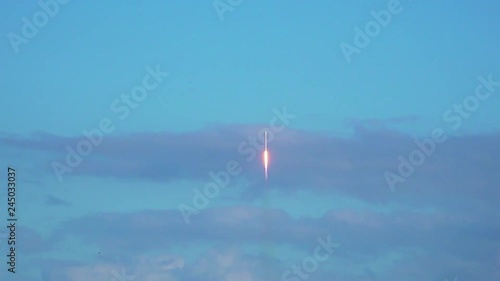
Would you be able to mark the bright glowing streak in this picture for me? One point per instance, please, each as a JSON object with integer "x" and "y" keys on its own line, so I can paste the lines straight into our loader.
{"x": 266, "y": 154}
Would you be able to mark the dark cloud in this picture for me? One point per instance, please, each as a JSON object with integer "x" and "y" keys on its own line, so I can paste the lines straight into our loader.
{"x": 353, "y": 166}
{"x": 52, "y": 200}
{"x": 379, "y": 123}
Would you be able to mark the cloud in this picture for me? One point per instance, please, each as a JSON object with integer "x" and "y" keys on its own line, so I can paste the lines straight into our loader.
{"x": 353, "y": 166}
{"x": 28, "y": 241}
{"x": 52, "y": 200}
{"x": 356, "y": 228}
{"x": 435, "y": 241}
{"x": 442, "y": 222}
{"x": 381, "y": 123}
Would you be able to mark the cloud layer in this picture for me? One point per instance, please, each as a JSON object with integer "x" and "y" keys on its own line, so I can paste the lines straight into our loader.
{"x": 442, "y": 221}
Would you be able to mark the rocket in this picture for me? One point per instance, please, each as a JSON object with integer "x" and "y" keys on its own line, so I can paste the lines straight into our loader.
{"x": 266, "y": 154}
{"x": 265, "y": 140}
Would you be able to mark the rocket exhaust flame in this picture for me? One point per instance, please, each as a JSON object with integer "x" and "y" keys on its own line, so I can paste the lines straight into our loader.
{"x": 266, "y": 154}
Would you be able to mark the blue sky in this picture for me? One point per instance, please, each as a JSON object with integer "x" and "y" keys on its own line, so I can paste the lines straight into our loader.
{"x": 213, "y": 83}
